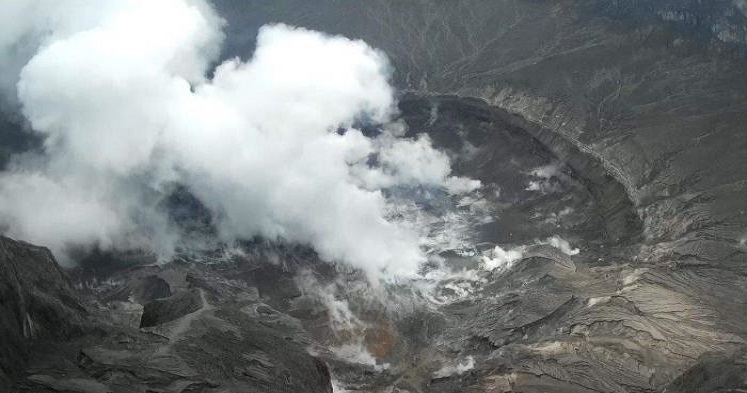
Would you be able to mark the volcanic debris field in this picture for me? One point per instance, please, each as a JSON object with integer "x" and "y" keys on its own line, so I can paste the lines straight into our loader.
{"x": 604, "y": 251}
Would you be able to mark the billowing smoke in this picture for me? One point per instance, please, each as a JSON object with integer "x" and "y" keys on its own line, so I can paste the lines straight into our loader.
{"x": 129, "y": 100}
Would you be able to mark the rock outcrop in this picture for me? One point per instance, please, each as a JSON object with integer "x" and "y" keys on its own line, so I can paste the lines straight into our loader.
{"x": 206, "y": 337}
{"x": 37, "y": 303}
{"x": 165, "y": 310}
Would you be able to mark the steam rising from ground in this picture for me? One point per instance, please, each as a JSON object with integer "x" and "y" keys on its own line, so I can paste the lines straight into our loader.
{"x": 120, "y": 91}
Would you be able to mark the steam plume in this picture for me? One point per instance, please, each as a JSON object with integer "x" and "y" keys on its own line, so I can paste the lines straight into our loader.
{"x": 119, "y": 90}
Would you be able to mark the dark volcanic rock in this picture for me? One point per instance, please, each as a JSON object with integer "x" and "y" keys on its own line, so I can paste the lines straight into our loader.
{"x": 168, "y": 309}
{"x": 208, "y": 340}
{"x": 714, "y": 373}
{"x": 37, "y": 302}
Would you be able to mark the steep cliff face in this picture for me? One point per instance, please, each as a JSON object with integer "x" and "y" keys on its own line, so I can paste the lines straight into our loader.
{"x": 37, "y": 303}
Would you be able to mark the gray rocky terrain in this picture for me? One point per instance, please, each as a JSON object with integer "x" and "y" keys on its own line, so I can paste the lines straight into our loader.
{"x": 610, "y": 137}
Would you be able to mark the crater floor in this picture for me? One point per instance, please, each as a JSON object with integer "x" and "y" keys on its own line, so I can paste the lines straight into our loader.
{"x": 532, "y": 284}
{"x": 605, "y": 253}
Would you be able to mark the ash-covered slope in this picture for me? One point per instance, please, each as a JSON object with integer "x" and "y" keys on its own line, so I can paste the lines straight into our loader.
{"x": 657, "y": 101}
{"x": 652, "y": 93}
{"x": 641, "y": 105}
{"x": 142, "y": 330}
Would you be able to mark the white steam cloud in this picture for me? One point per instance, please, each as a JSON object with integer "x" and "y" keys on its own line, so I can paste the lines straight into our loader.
{"x": 121, "y": 92}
